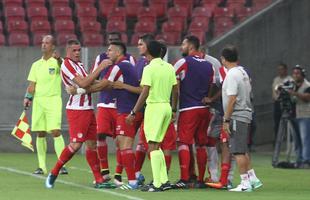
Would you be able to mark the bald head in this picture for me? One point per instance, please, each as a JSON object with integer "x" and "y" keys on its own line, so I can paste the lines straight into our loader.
{"x": 48, "y": 44}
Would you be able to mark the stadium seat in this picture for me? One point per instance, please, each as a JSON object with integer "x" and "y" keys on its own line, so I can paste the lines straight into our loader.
{"x": 37, "y": 13}
{"x": 1, "y": 27}
{"x": 147, "y": 14}
{"x": 116, "y": 26}
{"x": 16, "y": 26}
{"x": 244, "y": 12}
{"x": 35, "y": 3}
{"x": 65, "y": 26}
{"x": 84, "y": 3}
{"x": 135, "y": 38}
{"x": 37, "y": 26}
{"x": 12, "y": 3}
{"x": 59, "y": 3}
{"x": 199, "y": 25}
{"x": 172, "y": 26}
{"x": 37, "y": 38}
{"x": 200, "y": 34}
{"x": 202, "y": 13}
{"x": 170, "y": 38}
{"x": 2, "y": 40}
{"x": 86, "y": 12}
{"x": 132, "y": 6}
{"x": 223, "y": 12}
{"x": 222, "y": 26}
{"x": 62, "y": 38}
{"x": 92, "y": 39}
{"x": 260, "y": 4}
{"x": 187, "y": 4}
{"x": 18, "y": 39}
{"x": 160, "y": 7}
{"x": 90, "y": 26}
{"x": 145, "y": 27}
{"x": 14, "y": 13}
{"x": 61, "y": 13}
{"x": 117, "y": 14}
{"x": 178, "y": 14}
{"x": 106, "y": 7}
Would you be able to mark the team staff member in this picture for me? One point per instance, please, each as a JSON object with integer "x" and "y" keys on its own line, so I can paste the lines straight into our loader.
{"x": 80, "y": 114}
{"x": 236, "y": 92}
{"x": 45, "y": 91}
{"x": 158, "y": 81}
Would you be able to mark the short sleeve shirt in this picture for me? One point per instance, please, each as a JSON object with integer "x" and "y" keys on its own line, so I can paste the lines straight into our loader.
{"x": 160, "y": 76}
{"x": 46, "y": 75}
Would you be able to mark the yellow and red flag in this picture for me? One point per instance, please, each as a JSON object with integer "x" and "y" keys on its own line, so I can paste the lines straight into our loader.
{"x": 22, "y": 131}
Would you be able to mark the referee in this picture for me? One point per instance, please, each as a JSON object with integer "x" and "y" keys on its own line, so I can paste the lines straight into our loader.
{"x": 44, "y": 92}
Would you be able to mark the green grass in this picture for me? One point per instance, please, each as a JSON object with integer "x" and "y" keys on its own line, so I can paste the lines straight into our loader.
{"x": 282, "y": 184}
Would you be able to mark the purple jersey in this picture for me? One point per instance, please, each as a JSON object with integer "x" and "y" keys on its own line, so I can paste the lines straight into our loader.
{"x": 195, "y": 75}
{"x": 141, "y": 63}
{"x": 124, "y": 72}
{"x": 107, "y": 98}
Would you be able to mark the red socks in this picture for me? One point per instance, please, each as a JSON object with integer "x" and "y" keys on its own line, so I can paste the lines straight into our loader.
{"x": 184, "y": 160}
{"x": 224, "y": 173}
{"x": 94, "y": 164}
{"x": 201, "y": 156}
{"x": 168, "y": 159}
{"x": 64, "y": 157}
{"x": 128, "y": 161}
{"x": 102, "y": 149}
{"x": 140, "y": 156}
{"x": 119, "y": 164}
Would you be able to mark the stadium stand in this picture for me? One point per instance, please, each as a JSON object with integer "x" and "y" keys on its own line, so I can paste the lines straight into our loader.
{"x": 91, "y": 19}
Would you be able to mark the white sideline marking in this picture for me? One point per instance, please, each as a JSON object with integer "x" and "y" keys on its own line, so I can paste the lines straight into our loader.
{"x": 16, "y": 171}
{"x": 88, "y": 171}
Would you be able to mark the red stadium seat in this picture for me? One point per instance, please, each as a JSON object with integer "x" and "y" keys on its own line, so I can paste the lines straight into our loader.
{"x": 199, "y": 26}
{"x": 187, "y": 4}
{"x": 117, "y": 14}
{"x": 172, "y": 26}
{"x": 202, "y": 13}
{"x": 15, "y": 26}
{"x": 119, "y": 26}
{"x": 62, "y": 38}
{"x": 64, "y": 26}
{"x": 132, "y": 6}
{"x": 37, "y": 38}
{"x": 90, "y": 26}
{"x": 19, "y": 39}
{"x": 14, "y": 13}
{"x": 145, "y": 27}
{"x": 59, "y": 3}
{"x": 37, "y": 26}
{"x": 222, "y": 26}
{"x": 87, "y": 12}
{"x": 223, "y": 12}
{"x": 1, "y": 27}
{"x": 61, "y": 13}
{"x": 135, "y": 38}
{"x": 243, "y": 13}
{"x": 178, "y": 14}
{"x": 160, "y": 7}
{"x": 2, "y": 40}
{"x": 37, "y": 13}
{"x": 170, "y": 38}
{"x": 200, "y": 34}
{"x": 84, "y": 3}
{"x": 92, "y": 39}
{"x": 12, "y": 3}
{"x": 105, "y": 8}
{"x": 35, "y": 3}
{"x": 260, "y": 4}
{"x": 147, "y": 14}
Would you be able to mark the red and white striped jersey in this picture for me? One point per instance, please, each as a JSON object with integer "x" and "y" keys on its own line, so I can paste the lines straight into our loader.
{"x": 222, "y": 73}
{"x": 69, "y": 70}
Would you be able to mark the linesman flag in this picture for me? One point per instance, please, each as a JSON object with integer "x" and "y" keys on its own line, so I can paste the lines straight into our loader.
{"x": 22, "y": 131}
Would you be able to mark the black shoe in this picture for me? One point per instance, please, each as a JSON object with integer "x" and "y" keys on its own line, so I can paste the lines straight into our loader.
{"x": 50, "y": 180}
{"x": 38, "y": 171}
{"x": 63, "y": 171}
{"x": 118, "y": 178}
{"x": 151, "y": 188}
{"x": 200, "y": 185}
{"x": 166, "y": 186}
{"x": 181, "y": 184}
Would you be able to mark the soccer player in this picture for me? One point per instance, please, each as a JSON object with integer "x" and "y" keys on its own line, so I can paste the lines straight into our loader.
{"x": 80, "y": 114}
{"x": 194, "y": 75}
{"x": 106, "y": 117}
{"x": 158, "y": 81}
{"x": 45, "y": 91}
{"x": 237, "y": 106}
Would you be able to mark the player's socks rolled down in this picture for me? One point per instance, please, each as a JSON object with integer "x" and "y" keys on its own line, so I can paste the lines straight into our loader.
{"x": 64, "y": 157}
{"x": 201, "y": 156}
{"x": 140, "y": 157}
{"x": 184, "y": 160}
{"x": 59, "y": 145}
{"x": 41, "y": 152}
{"x": 128, "y": 161}
{"x": 168, "y": 159}
{"x": 102, "y": 150}
{"x": 119, "y": 164}
{"x": 94, "y": 164}
{"x": 225, "y": 167}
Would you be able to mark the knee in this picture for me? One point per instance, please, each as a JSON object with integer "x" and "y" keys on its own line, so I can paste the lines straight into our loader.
{"x": 91, "y": 144}
{"x": 41, "y": 134}
{"x": 55, "y": 133}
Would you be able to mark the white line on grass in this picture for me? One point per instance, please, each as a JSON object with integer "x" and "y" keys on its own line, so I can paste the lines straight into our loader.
{"x": 86, "y": 170}
{"x": 16, "y": 171}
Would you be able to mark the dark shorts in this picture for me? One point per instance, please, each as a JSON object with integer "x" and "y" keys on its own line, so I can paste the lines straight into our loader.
{"x": 238, "y": 141}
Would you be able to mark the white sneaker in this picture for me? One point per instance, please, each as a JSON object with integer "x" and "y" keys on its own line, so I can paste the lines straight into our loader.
{"x": 118, "y": 183}
{"x": 241, "y": 188}
{"x": 256, "y": 184}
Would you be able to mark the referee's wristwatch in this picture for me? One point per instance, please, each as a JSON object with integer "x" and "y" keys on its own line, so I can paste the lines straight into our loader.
{"x": 132, "y": 113}
{"x": 226, "y": 120}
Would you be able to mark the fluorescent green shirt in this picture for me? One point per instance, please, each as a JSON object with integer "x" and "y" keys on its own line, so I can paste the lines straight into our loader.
{"x": 46, "y": 75}
{"x": 160, "y": 76}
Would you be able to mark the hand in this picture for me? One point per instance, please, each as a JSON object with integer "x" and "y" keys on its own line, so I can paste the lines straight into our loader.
{"x": 226, "y": 127}
{"x": 118, "y": 85}
{"x": 130, "y": 119}
{"x": 105, "y": 63}
{"x": 71, "y": 90}
{"x": 173, "y": 117}
{"x": 27, "y": 103}
{"x": 206, "y": 100}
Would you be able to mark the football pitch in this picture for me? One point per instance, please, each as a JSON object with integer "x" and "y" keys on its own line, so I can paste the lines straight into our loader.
{"x": 18, "y": 183}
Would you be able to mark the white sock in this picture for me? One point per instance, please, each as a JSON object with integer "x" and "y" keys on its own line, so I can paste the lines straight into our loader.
{"x": 132, "y": 182}
{"x": 138, "y": 174}
{"x": 245, "y": 181}
{"x": 252, "y": 175}
{"x": 213, "y": 163}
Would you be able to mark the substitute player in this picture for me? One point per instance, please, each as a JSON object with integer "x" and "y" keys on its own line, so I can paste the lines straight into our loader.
{"x": 80, "y": 114}
{"x": 158, "y": 81}
{"x": 45, "y": 91}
